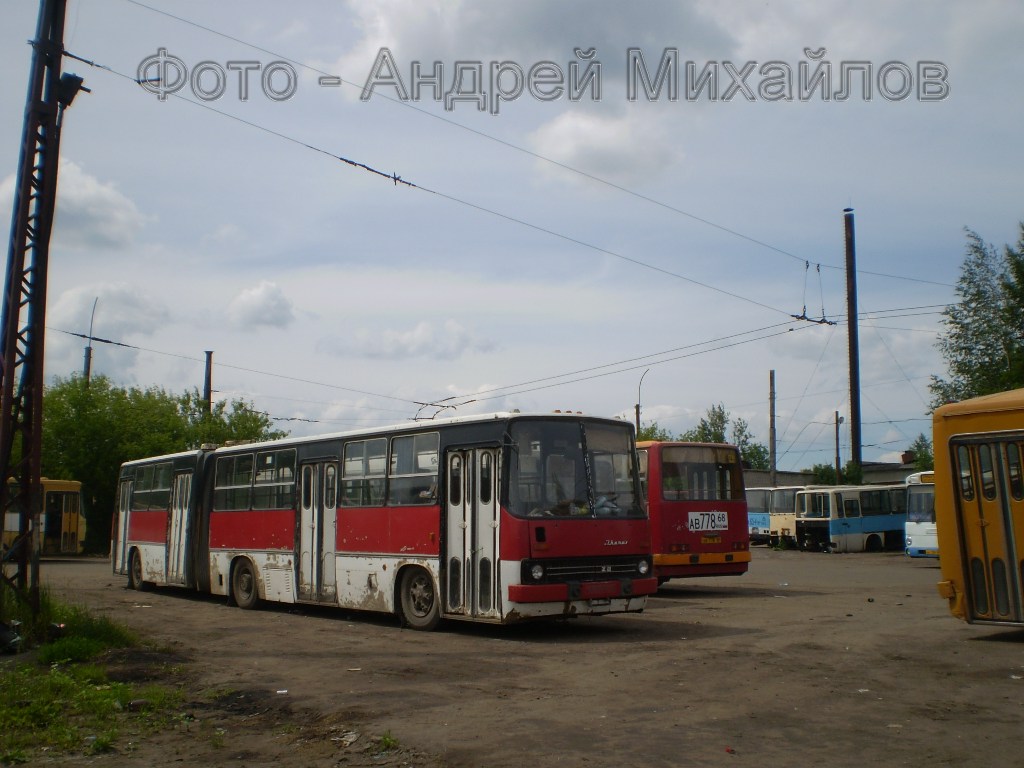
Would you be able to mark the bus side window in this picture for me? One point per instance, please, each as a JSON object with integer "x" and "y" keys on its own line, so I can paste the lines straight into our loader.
{"x": 1013, "y": 462}
{"x": 963, "y": 457}
{"x": 988, "y": 477}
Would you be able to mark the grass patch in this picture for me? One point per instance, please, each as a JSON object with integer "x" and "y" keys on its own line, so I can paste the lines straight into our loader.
{"x": 58, "y": 697}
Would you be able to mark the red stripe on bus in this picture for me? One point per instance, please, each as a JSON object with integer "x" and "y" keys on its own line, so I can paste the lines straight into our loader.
{"x": 148, "y": 526}
{"x": 408, "y": 530}
{"x": 263, "y": 529}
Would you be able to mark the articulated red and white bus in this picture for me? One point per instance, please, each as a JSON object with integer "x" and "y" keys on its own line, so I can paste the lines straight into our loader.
{"x": 698, "y": 508}
{"x": 494, "y": 518}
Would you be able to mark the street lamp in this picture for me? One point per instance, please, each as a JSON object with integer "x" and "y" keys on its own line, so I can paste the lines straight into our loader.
{"x": 839, "y": 420}
{"x": 638, "y": 399}
{"x": 87, "y": 363}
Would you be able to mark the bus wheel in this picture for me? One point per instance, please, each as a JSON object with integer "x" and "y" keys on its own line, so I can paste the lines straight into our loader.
{"x": 243, "y": 584}
{"x": 417, "y": 599}
{"x": 135, "y": 580}
{"x": 874, "y": 544}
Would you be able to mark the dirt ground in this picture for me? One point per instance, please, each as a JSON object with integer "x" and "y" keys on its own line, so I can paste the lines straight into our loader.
{"x": 808, "y": 659}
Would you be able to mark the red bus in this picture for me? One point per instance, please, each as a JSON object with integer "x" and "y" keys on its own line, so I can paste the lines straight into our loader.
{"x": 494, "y": 518}
{"x": 698, "y": 508}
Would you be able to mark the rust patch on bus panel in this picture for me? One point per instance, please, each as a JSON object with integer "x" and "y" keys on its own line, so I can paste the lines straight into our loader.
{"x": 150, "y": 573}
{"x": 364, "y": 592}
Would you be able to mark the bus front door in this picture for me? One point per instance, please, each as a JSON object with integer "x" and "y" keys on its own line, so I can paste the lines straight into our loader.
{"x": 318, "y": 512}
{"x": 177, "y": 535}
{"x": 991, "y": 500}
{"x": 471, "y": 554}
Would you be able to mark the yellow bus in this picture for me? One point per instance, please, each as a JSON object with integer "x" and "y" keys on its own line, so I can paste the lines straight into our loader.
{"x": 61, "y": 519}
{"x": 979, "y": 507}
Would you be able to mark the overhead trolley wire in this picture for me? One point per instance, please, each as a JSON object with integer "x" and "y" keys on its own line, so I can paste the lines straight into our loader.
{"x": 523, "y": 150}
{"x": 396, "y": 179}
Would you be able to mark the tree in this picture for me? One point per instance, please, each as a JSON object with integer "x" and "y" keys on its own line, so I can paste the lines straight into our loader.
{"x": 91, "y": 428}
{"x": 983, "y": 344}
{"x": 824, "y": 474}
{"x": 713, "y": 427}
{"x": 653, "y": 431}
{"x": 924, "y": 460}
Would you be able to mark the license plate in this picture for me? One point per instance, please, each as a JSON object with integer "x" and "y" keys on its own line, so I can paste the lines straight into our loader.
{"x": 709, "y": 521}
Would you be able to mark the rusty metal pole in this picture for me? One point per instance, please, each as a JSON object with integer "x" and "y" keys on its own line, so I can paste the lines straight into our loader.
{"x": 24, "y": 311}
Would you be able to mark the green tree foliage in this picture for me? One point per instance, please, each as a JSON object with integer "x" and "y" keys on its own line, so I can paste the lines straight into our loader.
{"x": 924, "y": 459}
{"x": 983, "y": 341}
{"x": 824, "y": 474}
{"x": 653, "y": 431}
{"x": 90, "y": 429}
{"x": 714, "y": 428}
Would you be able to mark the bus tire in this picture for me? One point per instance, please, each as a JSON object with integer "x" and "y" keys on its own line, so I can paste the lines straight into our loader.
{"x": 873, "y": 544}
{"x": 417, "y": 599}
{"x": 135, "y": 580}
{"x": 244, "y": 588}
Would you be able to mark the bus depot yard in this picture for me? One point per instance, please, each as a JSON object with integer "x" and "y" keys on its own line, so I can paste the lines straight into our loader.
{"x": 808, "y": 659}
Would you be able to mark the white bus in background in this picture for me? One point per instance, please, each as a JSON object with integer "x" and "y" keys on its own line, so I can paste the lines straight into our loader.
{"x": 921, "y": 535}
{"x": 759, "y": 502}
{"x": 782, "y": 516}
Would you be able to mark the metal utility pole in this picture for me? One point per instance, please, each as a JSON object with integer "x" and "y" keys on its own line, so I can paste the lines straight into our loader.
{"x": 771, "y": 430}
{"x": 24, "y": 309}
{"x": 854, "y": 343}
{"x": 208, "y": 384}
{"x": 839, "y": 467}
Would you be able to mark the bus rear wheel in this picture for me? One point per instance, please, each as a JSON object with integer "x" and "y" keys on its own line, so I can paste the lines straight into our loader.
{"x": 243, "y": 585}
{"x": 135, "y": 580}
{"x": 417, "y": 599}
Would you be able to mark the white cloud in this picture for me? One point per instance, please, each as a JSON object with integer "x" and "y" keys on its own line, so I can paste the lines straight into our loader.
{"x": 424, "y": 340}
{"x": 619, "y": 148}
{"x": 91, "y": 213}
{"x": 265, "y": 304}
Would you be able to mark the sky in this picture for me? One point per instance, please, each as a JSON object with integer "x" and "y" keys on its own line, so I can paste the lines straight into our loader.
{"x": 358, "y": 247}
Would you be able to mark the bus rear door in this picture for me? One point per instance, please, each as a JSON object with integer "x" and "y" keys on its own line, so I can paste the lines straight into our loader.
{"x": 318, "y": 512}
{"x": 177, "y": 536}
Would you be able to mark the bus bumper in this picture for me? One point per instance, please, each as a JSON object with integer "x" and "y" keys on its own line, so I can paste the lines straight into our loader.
{"x": 582, "y": 590}
{"x": 947, "y": 589}
{"x": 705, "y": 564}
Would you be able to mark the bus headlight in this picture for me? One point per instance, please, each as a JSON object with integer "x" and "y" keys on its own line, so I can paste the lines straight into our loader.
{"x": 537, "y": 571}
{"x": 643, "y": 567}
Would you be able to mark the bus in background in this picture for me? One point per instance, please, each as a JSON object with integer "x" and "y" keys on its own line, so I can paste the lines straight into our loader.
{"x": 495, "y": 518}
{"x": 698, "y": 508}
{"x": 782, "y": 516}
{"x": 979, "y": 507}
{"x": 61, "y": 519}
{"x": 759, "y": 501}
{"x": 922, "y": 538}
{"x": 852, "y": 518}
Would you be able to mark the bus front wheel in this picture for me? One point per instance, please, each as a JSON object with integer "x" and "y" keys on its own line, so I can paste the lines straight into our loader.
{"x": 418, "y": 600}
{"x": 243, "y": 585}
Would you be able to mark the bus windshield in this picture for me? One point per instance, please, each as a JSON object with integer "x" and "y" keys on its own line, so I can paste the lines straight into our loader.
{"x": 921, "y": 504}
{"x": 572, "y": 469}
{"x": 701, "y": 472}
